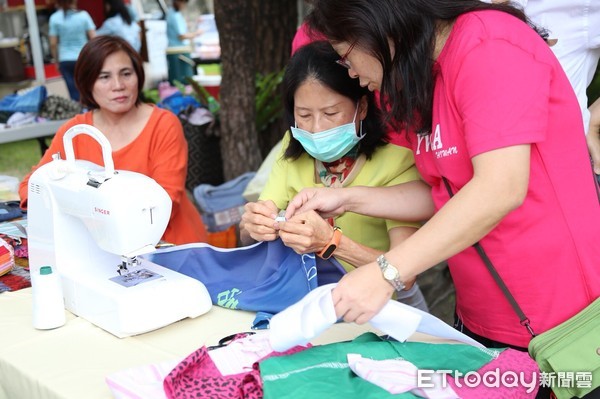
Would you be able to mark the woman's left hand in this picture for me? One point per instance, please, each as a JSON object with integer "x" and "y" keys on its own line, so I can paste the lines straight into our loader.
{"x": 361, "y": 294}
{"x": 306, "y": 232}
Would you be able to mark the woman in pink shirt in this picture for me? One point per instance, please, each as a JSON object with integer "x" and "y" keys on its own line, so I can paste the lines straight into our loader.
{"x": 500, "y": 123}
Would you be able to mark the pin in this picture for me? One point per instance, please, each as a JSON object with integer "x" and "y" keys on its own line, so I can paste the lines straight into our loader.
{"x": 281, "y": 216}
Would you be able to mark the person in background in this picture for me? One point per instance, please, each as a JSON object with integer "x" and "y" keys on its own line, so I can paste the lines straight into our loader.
{"x": 593, "y": 137}
{"x": 119, "y": 22}
{"x": 179, "y": 43}
{"x": 144, "y": 138}
{"x": 336, "y": 140}
{"x": 132, "y": 11}
{"x": 501, "y": 144}
{"x": 69, "y": 30}
{"x": 574, "y": 35}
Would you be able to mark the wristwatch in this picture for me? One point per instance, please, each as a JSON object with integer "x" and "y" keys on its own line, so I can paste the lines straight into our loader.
{"x": 390, "y": 273}
{"x": 330, "y": 248}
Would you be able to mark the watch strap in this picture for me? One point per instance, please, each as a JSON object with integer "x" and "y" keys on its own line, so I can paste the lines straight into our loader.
{"x": 384, "y": 265}
{"x": 330, "y": 248}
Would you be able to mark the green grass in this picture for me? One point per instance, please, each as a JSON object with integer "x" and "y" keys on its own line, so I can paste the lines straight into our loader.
{"x": 17, "y": 158}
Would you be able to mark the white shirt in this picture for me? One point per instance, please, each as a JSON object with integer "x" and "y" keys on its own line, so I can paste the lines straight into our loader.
{"x": 576, "y": 25}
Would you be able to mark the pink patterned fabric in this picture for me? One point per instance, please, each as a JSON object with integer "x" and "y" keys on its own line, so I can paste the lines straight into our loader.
{"x": 510, "y": 361}
{"x": 197, "y": 376}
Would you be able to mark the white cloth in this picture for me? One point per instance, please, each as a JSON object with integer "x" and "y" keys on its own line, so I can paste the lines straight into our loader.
{"x": 315, "y": 313}
{"x": 398, "y": 376}
{"x": 145, "y": 382}
{"x": 21, "y": 118}
{"x": 239, "y": 356}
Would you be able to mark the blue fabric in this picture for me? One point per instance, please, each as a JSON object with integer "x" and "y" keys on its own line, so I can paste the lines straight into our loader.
{"x": 262, "y": 321}
{"x": 222, "y": 206}
{"x": 10, "y": 210}
{"x": 177, "y": 103}
{"x": 266, "y": 277}
{"x": 225, "y": 196}
{"x": 29, "y": 101}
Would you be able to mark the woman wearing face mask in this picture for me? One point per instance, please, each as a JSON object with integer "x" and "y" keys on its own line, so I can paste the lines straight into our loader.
{"x": 336, "y": 140}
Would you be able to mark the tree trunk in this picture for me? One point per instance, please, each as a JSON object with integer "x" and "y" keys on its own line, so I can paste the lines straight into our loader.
{"x": 255, "y": 37}
{"x": 275, "y": 28}
{"x": 239, "y": 141}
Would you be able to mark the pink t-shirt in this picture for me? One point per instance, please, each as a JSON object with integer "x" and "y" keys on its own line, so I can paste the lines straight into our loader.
{"x": 499, "y": 85}
{"x": 304, "y": 36}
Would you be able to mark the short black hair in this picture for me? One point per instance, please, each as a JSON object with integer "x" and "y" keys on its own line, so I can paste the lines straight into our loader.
{"x": 316, "y": 61}
{"x": 411, "y": 25}
{"x": 91, "y": 60}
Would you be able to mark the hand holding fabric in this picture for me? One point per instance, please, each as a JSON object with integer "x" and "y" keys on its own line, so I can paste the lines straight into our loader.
{"x": 360, "y": 295}
{"x": 258, "y": 221}
{"x": 593, "y": 136}
{"x": 306, "y": 232}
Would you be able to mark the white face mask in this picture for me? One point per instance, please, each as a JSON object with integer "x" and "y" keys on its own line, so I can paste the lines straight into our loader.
{"x": 331, "y": 144}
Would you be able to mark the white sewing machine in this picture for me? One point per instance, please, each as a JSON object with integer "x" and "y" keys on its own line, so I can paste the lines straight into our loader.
{"x": 90, "y": 223}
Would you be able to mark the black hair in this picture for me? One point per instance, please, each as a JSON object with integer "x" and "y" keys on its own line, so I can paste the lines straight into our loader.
{"x": 412, "y": 26}
{"x": 177, "y": 4}
{"x": 66, "y": 5}
{"x": 117, "y": 7}
{"x": 316, "y": 61}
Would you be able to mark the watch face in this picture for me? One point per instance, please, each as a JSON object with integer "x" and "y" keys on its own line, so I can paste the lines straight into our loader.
{"x": 329, "y": 251}
{"x": 390, "y": 273}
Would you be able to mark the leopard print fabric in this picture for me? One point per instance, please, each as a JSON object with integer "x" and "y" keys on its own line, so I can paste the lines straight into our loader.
{"x": 198, "y": 377}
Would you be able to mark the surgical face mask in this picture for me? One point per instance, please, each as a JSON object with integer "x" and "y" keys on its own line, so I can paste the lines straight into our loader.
{"x": 331, "y": 144}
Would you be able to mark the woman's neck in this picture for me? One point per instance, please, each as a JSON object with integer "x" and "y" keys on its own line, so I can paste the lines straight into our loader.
{"x": 442, "y": 33}
{"x": 107, "y": 118}
{"x": 122, "y": 128}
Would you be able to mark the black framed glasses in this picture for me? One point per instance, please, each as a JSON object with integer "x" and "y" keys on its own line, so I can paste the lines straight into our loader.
{"x": 343, "y": 61}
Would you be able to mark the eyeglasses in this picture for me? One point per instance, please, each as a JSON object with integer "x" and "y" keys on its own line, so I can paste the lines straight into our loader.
{"x": 343, "y": 61}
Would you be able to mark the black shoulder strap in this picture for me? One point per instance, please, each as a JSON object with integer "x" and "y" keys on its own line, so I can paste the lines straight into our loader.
{"x": 488, "y": 263}
{"x": 596, "y": 185}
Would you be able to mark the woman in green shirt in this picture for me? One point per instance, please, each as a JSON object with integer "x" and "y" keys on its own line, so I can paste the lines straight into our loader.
{"x": 337, "y": 139}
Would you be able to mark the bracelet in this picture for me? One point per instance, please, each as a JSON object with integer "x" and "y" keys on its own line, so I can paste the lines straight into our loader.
{"x": 330, "y": 248}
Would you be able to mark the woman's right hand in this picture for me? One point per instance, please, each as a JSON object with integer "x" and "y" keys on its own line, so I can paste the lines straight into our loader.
{"x": 361, "y": 294}
{"x": 258, "y": 221}
{"x": 327, "y": 202}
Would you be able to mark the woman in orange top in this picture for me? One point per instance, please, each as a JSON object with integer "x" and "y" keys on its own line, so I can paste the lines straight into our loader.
{"x": 145, "y": 139}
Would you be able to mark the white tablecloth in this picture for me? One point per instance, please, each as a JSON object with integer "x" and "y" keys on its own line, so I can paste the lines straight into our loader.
{"x": 30, "y": 131}
{"x": 72, "y": 361}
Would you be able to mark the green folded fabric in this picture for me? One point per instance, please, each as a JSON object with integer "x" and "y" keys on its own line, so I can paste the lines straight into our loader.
{"x": 323, "y": 372}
